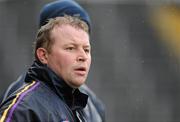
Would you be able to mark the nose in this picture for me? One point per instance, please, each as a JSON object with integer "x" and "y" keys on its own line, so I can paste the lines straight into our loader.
{"x": 82, "y": 56}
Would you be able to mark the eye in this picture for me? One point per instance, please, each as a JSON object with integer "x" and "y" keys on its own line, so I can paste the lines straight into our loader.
{"x": 87, "y": 50}
{"x": 70, "y": 48}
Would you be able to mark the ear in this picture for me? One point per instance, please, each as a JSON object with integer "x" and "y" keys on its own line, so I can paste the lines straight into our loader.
{"x": 42, "y": 55}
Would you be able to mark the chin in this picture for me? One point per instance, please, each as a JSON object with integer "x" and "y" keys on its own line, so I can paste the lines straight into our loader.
{"x": 77, "y": 84}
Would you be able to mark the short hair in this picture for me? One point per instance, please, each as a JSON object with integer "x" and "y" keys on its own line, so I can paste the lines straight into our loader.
{"x": 43, "y": 38}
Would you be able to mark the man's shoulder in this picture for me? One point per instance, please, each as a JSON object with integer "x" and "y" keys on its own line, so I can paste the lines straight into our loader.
{"x": 16, "y": 93}
{"x": 33, "y": 98}
{"x": 95, "y": 106}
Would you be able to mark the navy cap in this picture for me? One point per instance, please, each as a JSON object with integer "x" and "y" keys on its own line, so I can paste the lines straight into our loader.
{"x": 61, "y": 8}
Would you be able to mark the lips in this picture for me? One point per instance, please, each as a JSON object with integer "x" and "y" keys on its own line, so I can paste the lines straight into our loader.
{"x": 80, "y": 70}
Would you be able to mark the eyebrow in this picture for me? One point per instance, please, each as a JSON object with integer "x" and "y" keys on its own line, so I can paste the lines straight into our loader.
{"x": 72, "y": 43}
{"x": 87, "y": 46}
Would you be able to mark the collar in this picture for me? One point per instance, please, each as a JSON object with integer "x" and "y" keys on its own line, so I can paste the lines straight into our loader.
{"x": 73, "y": 97}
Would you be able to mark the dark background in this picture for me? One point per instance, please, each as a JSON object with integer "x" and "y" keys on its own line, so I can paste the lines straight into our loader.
{"x": 133, "y": 71}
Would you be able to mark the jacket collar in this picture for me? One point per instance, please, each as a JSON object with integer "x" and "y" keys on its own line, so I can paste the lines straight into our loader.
{"x": 73, "y": 97}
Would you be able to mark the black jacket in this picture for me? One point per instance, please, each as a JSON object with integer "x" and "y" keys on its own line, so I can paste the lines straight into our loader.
{"x": 42, "y": 96}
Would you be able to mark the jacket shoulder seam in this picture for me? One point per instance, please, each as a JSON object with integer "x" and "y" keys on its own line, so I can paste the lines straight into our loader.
{"x": 7, "y": 114}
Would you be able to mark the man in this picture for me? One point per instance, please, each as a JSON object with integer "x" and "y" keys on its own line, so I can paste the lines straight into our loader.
{"x": 50, "y": 89}
{"x": 94, "y": 110}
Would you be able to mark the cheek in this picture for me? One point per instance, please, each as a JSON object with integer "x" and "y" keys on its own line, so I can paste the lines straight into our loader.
{"x": 55, "y": 60}
{"x": 89, "y": 61}
{"x": 60, "y": 63}
{"x": 65, "y": 60}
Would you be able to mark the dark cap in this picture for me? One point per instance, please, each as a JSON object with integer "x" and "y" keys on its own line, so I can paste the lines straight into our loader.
{"x": 61, "y": 8}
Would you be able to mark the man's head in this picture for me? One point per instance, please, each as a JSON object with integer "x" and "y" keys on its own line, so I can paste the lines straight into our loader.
{"x": 63, "y": 44}
{"x": 63, "y": 7}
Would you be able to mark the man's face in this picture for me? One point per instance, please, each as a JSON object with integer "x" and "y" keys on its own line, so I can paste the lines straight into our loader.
{"x": 70, "y": 56}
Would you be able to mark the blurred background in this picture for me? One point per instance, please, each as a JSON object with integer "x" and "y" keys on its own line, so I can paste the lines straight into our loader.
{"x": 135, "y": 48}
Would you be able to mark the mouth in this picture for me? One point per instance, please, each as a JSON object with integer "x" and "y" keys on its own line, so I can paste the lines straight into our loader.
{"x": 80, "y": 71}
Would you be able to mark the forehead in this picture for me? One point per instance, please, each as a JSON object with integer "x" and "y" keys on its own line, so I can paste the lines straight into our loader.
{"x": 69, "y": 34}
